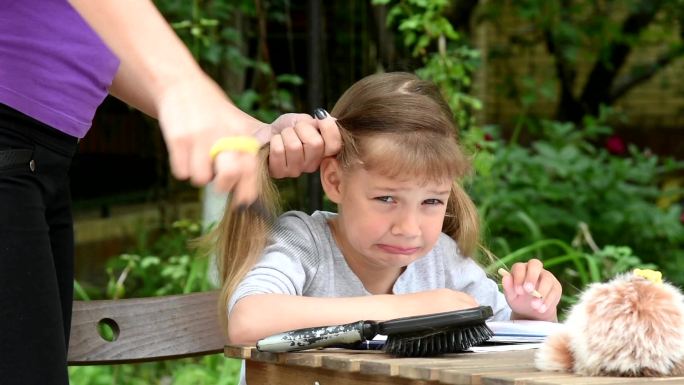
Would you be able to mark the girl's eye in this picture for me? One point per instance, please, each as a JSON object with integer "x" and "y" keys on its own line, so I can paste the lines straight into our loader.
{"x": 386, "y": 199}
{"x": 435, "y": 202}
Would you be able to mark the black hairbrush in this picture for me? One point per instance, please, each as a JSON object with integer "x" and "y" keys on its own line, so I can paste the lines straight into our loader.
{"x": 418, "y": 336}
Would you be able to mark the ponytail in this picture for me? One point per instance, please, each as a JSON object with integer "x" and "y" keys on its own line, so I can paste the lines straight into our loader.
{"x": 241, "y": 236}
{"x": 462, "y": 222}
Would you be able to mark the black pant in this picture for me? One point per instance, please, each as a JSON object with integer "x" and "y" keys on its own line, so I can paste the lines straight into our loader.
{"x": 36, "y": 250}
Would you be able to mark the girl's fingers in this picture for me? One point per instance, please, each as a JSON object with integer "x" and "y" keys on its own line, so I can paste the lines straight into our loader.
{"x": 508, "y": 287}
{"x": 518, "y": 273}
{"x": 526, "y": 276}
{"x": 532, "y": 276}
{"x": 546, "y": 283}
{"x": 312, "y": 145}
{"x": 331, "y": 135}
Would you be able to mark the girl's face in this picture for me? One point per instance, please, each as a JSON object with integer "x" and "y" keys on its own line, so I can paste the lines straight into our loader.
{"x": 387, "y": 223}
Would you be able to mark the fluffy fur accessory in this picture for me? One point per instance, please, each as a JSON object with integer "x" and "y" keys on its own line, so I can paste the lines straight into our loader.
{"x": 632, "y": 325}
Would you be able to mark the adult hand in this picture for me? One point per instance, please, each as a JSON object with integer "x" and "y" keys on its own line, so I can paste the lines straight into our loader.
{"x": 193, "y": 115}
{"x": 300, "y": 142}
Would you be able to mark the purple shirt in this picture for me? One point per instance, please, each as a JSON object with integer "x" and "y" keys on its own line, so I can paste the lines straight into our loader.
{"x": 53, "y": 67}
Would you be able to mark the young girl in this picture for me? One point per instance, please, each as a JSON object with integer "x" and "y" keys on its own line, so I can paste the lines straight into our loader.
{"x": 401, "y": 242}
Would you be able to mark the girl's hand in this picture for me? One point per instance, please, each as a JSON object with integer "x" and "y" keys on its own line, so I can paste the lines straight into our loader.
{"x": 521, "y": 283}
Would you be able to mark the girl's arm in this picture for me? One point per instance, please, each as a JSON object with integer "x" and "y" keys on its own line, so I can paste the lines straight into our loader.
{"x": 258, "y": 316}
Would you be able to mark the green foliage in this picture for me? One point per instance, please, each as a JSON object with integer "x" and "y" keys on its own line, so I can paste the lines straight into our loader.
{"x": 204, "y": 26}
{"x": 161, "y": 265}
{"x": 208, "y": 370}
{"x": 582, "y": 37}
{"x": 545, "y": 190}
{"x": 209, "y": 30}
{"x": 447, "y": 59}
{"x": 165, "y": 266}
{"x": 540, "y": 199}
{"x": 574, "y": 267}
{"x": 420, "y": 22}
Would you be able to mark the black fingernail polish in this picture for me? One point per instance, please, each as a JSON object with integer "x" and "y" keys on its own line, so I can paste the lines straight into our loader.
{"x": 320, "y": 113}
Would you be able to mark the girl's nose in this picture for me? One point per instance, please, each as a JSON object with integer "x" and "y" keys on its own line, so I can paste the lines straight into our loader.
{"x": 406, "y": 224}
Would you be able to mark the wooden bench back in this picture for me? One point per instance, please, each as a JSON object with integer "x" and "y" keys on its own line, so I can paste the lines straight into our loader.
{"x": 149, "y": 329}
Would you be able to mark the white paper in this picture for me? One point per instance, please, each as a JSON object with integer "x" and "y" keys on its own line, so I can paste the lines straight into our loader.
{"x": 503, "y": 347}
{"x": 523, "y": 331}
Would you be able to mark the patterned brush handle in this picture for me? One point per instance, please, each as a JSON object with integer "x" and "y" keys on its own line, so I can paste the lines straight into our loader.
{"x": 318, "y": 337}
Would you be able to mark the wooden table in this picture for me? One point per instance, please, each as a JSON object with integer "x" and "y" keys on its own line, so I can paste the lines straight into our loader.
{"x": 337, "y": 366}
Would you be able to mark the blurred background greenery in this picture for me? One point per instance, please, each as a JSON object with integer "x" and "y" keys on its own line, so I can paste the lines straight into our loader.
{"x": 573, "y": 111}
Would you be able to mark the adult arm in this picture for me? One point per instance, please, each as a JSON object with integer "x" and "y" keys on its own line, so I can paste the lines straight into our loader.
{"x": 159, "y": 76}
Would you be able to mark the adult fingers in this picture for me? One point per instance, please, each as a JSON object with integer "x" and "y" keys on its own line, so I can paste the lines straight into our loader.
{"x": 228, "y": 170}
{"x": 201, "y": 166}
{"x": 245, "y": 191}
{"x": 179, "y": 157}
{"x": 277, "y": 161}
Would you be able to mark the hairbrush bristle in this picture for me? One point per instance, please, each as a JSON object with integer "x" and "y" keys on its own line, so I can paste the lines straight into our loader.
{"x": 436, "y": 342}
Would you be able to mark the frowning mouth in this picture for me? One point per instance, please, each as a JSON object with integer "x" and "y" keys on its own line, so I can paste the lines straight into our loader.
{"x": 398, "y": 250}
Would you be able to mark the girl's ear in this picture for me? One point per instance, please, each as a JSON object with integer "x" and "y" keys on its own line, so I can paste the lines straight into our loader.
{"x": 331, "y": 178}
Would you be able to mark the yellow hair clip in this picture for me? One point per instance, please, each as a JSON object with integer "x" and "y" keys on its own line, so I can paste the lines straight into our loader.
{"x": 652, "y": 275}
{"x": 246, "y": 144}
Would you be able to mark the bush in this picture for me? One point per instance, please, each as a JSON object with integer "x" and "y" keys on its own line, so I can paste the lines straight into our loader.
{"x": 562, "y": 179}
{"x": 163, "y": 266}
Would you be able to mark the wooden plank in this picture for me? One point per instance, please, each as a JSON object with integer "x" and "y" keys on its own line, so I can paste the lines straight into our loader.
{"x": 391, "y": 366}
{"x": 149, "y": 329}
{"x": 256, "y": 355}
{"x": 278, "y": 374}
{"x": 342, "y": 362}
{"x": 347, "y": 361}
{"x": 610, "y": 380}
{"x": 306, "y": 358}
{"x": 556, "y": 378}
{"x": 432, "y": 370}
{"x": 473, "y": 375}
{"x": 310, "y": 359}
{"x": 237, "y": 351}
{"x": 349, "y": 367}
{"x": 524, "y": 378}
{"x": 428, "y": 368}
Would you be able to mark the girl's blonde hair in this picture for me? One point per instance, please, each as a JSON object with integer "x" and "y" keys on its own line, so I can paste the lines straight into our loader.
{"x": 418, "y": 141}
